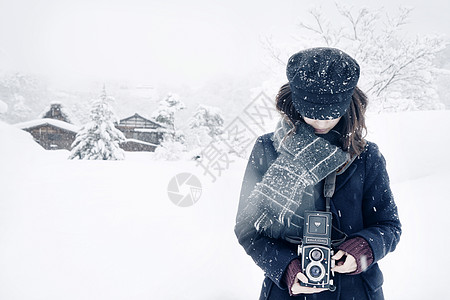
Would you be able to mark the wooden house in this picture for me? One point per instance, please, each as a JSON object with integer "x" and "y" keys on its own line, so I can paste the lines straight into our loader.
{"x": 53, "y": 131}
{"x": 50, "y": 133}
{"x": 142, "y": 134}
{"x": 55, "y": 112}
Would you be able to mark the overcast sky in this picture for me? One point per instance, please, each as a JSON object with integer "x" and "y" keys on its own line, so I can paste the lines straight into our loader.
{"x": 161, "y": 41}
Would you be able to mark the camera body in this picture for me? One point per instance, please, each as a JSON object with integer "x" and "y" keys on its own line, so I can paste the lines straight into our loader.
{"x": 316, "y": 250}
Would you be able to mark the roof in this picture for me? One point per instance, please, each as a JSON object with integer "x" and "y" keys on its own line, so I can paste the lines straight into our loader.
{"x": 47, "y": 113}
{"x": 140, "y": 142}
{"x": 163, "y": 129}
{"x": 136, "y": 115}
{"x": 46, "y": 121}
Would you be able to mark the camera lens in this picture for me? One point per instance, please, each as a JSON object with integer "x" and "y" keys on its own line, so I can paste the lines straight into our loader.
{"x": 315, "y": 271}
{"x": 316, "y": 254}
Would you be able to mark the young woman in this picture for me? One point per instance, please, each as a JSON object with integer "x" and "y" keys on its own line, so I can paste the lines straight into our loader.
{"x": 320, "y": 135}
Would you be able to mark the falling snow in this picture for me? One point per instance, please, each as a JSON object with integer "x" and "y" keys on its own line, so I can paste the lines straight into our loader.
{"x": 109, "y": 228}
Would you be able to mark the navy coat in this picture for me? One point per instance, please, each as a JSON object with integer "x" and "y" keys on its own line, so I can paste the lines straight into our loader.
{"x": 362, "y": 205}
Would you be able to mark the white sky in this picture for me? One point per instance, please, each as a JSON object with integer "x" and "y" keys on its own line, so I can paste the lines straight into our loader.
{"x": 149, "y": 41}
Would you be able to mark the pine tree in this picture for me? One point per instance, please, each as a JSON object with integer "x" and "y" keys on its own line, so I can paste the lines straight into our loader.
{"x": 99, "y": 139}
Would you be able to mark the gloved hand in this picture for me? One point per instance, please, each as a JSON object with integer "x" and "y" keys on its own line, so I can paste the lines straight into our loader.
{"x": 344, "y": 262}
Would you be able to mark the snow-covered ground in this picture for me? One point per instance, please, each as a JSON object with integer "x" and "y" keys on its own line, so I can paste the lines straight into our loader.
{"x": 108, "y": 230}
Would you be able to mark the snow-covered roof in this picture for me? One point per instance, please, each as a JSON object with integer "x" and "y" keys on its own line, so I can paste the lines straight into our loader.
{"x": 138, "y": 116}
{"x": 52, "y": 105}
{"x": 53, "y": 122}
{"x": 159, "y": 129}
{"x": 140, "y": 142}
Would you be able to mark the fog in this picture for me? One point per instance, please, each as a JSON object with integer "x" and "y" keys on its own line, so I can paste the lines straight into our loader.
{"x": 162, "y": 42}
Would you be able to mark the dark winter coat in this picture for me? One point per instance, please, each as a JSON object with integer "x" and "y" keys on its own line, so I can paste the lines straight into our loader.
{"x": 362, "y": 206}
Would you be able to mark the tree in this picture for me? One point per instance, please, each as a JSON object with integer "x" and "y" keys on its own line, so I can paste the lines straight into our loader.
{"x": 173, "y": 141}
{"x": 99, "y": 139}
{"x": 165, "y": 113}
{"x": 209, "y": 117}
{"x": 170, "y": 149}
{"x": 397, "y": 71}
{"x": 3, "y": 107}
{"x": 24, "y": 94}
{"x": 204, "y": 126}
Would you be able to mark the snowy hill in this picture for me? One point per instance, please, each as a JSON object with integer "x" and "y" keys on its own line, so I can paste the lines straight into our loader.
{"x": 108, "y": 230}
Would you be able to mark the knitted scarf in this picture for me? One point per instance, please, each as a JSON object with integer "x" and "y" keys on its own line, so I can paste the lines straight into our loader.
{"x": 304, "y": 160}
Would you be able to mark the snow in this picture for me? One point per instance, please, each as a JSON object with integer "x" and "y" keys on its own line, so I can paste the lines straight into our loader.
{"x": 53, "y": 122}
{"x": 159, "y": 129}
{"x": 3, "y": 107}
{"x": 140, "y": 142}
{"x": 74, "y": 229}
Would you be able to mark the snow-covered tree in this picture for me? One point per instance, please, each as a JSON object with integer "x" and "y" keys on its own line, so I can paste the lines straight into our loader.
{"x": 19, "y": 108}
{"x": 397, "y": 70}
{"x": 173, "y": 141}
{"x": 204, "y": 125}
{"x": 170, "y": 149}
{"x": 24, "y": 94}
{"x": 3, "y": 107}
{"x": 209, "y": 117}
{"x": 165, "y": 113}
{"x": 99, "y": 139}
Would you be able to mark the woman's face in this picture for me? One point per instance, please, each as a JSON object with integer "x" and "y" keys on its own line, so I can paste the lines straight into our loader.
{"x": 322, "y": 126}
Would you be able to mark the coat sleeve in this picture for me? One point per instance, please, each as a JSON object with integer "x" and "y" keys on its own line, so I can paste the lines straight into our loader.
{"x": 271, "y": 255}
{"x": 382, "y": 227}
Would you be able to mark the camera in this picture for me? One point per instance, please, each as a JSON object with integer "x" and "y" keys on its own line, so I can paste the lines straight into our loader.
{"x": 316, "y": 250}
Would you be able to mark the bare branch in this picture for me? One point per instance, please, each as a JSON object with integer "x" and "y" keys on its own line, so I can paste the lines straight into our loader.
{"x": 268, "y": 45}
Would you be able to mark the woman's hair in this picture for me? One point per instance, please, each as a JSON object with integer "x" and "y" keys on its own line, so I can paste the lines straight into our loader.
{"x": 352, "y": 123}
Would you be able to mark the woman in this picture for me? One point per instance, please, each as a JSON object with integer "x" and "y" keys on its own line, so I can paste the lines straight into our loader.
{"x": 319, "y": 136}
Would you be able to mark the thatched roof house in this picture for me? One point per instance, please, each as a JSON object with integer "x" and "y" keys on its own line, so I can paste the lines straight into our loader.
{"x": 55, "y": 111}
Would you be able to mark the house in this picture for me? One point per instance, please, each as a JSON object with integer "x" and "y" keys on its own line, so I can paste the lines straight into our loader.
{"x": 55, "y": 112}
{"x": 142, "y": 134}
{"x": 54, "y": 131}
{"x": 51, "y": 134}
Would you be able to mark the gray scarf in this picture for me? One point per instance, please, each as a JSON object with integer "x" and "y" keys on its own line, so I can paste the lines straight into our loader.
{"x": 304, "y": 160}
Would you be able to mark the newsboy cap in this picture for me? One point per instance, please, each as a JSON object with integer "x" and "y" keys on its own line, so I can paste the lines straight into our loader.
{"x": 322, "y": 81}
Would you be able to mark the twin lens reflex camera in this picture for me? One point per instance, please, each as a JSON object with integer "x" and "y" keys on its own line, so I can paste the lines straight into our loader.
{"x": 316, "y": 251}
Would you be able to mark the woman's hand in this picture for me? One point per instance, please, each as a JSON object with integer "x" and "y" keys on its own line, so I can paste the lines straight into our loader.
{"x": 298, "y": 289}
{"x": 348, "y": 265}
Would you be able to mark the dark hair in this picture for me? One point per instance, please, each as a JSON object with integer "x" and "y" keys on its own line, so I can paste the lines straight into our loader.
{"x": 352, "y": 123}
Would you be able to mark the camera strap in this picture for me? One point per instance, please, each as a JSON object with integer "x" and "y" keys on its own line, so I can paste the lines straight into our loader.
{"x": 329, "y": 188}
{"x": 328, "y": 192}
